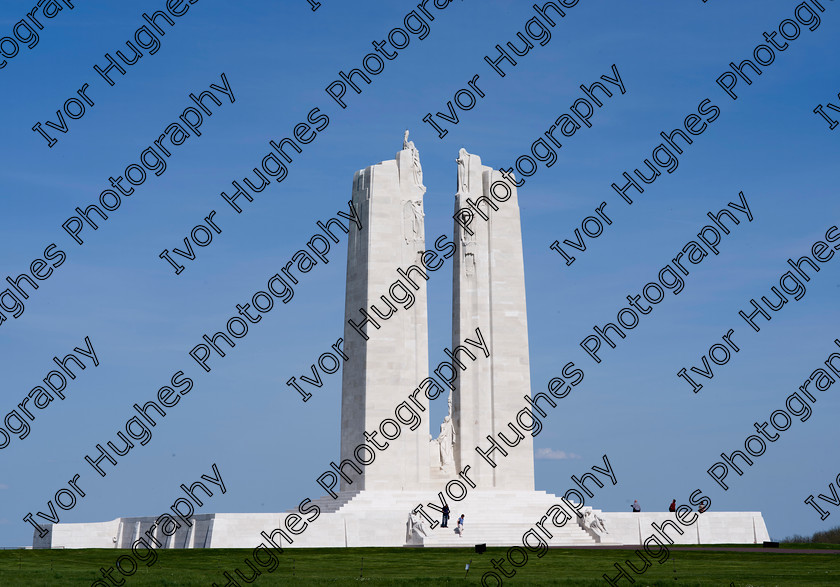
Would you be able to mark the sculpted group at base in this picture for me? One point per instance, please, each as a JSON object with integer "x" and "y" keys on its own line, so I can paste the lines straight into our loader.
{"x": 373, "y": 491}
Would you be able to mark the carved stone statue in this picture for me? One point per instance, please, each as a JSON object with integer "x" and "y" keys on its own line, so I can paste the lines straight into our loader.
{"x": 598, "y": 524}
{"x": 417, "y": 170}
{"x": 415, "y": 530}
{"x": 409, "y": 529}
{"x": 469, "y": 263}
{"x": 463, "y": 171}
{"x": 446, "y": 440}
{"x": 463, "y": 162}
{"x": 419, "y": 524}
{"x": 594, "y": 522}
{"x": 413, "y": 218}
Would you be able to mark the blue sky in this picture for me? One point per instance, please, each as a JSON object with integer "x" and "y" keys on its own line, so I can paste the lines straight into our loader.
{"x": 278, "y": 57}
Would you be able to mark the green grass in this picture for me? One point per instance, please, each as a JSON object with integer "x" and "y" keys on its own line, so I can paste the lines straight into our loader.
{"x": 403, "y": 566}
{"x": 811, "y": 545}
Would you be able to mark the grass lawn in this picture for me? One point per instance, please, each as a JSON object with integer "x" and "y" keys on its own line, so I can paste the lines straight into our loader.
{"x": 432, "y": 566}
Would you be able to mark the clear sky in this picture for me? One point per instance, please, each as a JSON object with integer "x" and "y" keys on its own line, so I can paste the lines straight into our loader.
{"x": 278, "y": 57}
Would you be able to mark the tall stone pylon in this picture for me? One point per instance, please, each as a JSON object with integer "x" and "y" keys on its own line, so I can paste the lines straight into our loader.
{"x": 489, "y": 294}
{"x": 384, "y": 368}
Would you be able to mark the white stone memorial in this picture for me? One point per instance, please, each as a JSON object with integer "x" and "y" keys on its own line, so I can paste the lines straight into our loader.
{"x": 376, "y": 507}
{"x": 388, "y": 198}
{"x": 489, "y": 292}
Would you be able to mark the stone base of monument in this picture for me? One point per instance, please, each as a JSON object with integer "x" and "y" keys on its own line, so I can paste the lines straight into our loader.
{"x": 710, "y": 527}
{"x": 380, "y": 518}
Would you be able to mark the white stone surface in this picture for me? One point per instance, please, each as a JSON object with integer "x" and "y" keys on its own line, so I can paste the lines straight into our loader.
{"x": 489, "y": 293}
{"x": 385, "y": 369}
{"x": 710, "y": 527}
{"x": 89, "y": 535}
{"x": 123, "y": 532}
{"x": 378, "y": 518}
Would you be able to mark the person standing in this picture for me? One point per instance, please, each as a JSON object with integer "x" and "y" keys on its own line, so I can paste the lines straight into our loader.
{"x": 461, "y": 526}
{"x": 636, "y": 507}
{"x": 445, "y": 523}
{"x": 673, "y": 506}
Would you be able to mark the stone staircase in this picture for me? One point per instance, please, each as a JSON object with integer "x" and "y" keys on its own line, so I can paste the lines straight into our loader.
{"x": 504, "y": 534}
{"x": 497, "y": 518}
{"x": 328, "y": 505}
{"x": 502, "y": 518}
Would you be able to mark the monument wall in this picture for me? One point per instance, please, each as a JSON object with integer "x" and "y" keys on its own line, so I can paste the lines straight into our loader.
{"x": 377, "y": 524}
{"x": 385, "y": 368}
{"x": 489, "y": 292}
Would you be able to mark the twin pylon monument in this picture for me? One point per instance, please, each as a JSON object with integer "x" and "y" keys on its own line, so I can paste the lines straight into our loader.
{"x": 392, "y": 358}
{"x": 386, "y": 470}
